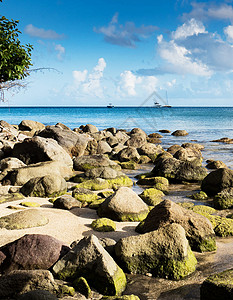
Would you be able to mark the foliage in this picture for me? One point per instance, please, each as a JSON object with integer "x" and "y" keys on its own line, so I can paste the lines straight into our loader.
{"x": 15, "y": 58}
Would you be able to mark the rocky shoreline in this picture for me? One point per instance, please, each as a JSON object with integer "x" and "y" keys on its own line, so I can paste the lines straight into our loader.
{"x": 72, "y": 226}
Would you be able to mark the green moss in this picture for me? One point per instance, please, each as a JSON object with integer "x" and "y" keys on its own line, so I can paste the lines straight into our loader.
{"x": 41, "y": 194}
{"x": 119, "y": 282}
{"x": 151, "y": 196}
{"x": 133, "y": 217}
{"x": 199, "y": 196}
{"x": 105, "y": 194}
{"x": 162, "y": 187}
{"x": 66, "y": 290}
{"x": 87, "y": 166}
{"x": 203, "y": 208}
{"x": 223, "y": 201}
{"x": 81, "y": 285}
{"x": 187, "y": 205}
{"x": 88, "y": 198}
{"x": 130, "y": 165}
{"x": 208, "y": 244}
{"x": 103, "y": 224}
{"x": 119, "y": 181}
{"x": 178, "y": 269}
{"x": 11, "y": 197}
{"x": 96, "y": 204}
{"x": 153, "y": 181}
{"x": 30, "y": 204}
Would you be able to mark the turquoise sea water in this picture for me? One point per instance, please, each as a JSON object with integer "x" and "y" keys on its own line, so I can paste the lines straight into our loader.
{"x": 202, "y": 123}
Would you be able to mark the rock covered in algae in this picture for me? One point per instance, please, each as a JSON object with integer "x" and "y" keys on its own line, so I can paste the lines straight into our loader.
{"x": 224, "y": 199}
{"x": 23, "y": 219}
{"x": 218, "y": 286}
{"x": 152, "y": 196}
{"x": 164, "y": 252}
{"x": 198, "y": 229}
{"x": 90, "y": 260}
{"x": 124, "y": 297}
{"x": 103, "y": 224}
{"x": 123, "y": 205}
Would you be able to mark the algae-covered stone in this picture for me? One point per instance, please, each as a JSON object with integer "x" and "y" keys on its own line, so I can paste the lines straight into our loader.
{"x": 148, "y": 179}
{"x": 103, "y": 224}
{"x": 91, "y": 261}
{"x": 224, "y": 199}
{"x": 123, "y": 205}
{"x": 203, "y": 208}
{"x": 187, "y": 205}
{"x": 11, "y": 197}
{"x": 81, "y": 285}
{"x": 130, "y": 165}
{"x": 96, "y": 203}
{"x": 47, "y": 186}
{"x": 164, "y": 252}
{"x": 103, "y": 172}
{"x": 199, "y": 196}
{"x": 100, "y": 184}
{"x": 87, "y": 162}
{"x": 84, "y": 195}
{"x": 199, "y": 230}
{"x": 152, "y": 196}
{"x": 23, "y": 219}
{"x": 30, "y": 204}
{"x": 124, "y": 297}
{"x": 218, "y": 286}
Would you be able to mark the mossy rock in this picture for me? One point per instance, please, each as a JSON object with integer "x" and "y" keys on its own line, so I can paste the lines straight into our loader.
{"x": 66, "y": 290}
{"x": 96, "y": 204}
{"x": 81, "y": 285}
{"x": 11, "y": 197}
{"x": 152, "y": 196}
{"x": 105, "y": 194}
{"x": 187, "y": 205}
{"x": 199, "y": 196}
{"x": 130, "y": 165}
{"x": 124, "y": 297}
{"x": 104, "y": 225}
{"x": 23, "y": 219}
{"x": 153, "y": 181}
{"x": 143, "y": 175}
{"x": 30, "y": 204}
{"x": 223, "y": 200}
{"x": 85, "y": 198}
{"x": 161, "y": 187}
{"x": 218, "y": 286}
{"x": 101, "y": 184}
{"x": 203, "y": 208}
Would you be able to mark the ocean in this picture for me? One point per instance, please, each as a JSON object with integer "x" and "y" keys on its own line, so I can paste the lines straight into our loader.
{"x": 203, "y": 124}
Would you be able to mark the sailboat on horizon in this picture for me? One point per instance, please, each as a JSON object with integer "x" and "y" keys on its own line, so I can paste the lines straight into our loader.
{"x": 157, "y": 104}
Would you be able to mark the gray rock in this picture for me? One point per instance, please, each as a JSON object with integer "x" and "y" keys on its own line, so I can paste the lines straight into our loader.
{"x": 23, "y": 281}
{"x": 215, "y": 164}
{"x": 23, "y": 219}
{"x": 224, "y": 199}
{"x": 66, "y": 202}
{"x": 150, "y": 150}
{"x": 37, "y": 295}
{"x": 164, "y": 252}
{"x": 39, "y": 149}
{"x": 122, "y": 136}
{"x": 216, "y": 181}
{"x": 172, "y": 149}
{"x": 123, "y": 205}
{"x": 22, "y": 175}
{"x": 89, "y": 259}
{"x": 193, "y": 145}
{"x": 103, "y": 172}
{"x": 88, "y": 162}
{"x": 11, "y": 163}
{"x": 29, "y": 125}
{"x": 127, "y": 154}
{"x": 32, "y": 251}
{"x": 103, "y": 147}
{"x": 136, "y": 140}
{"x": 180, "y": 133}
{"x": 90, "y": 128}
{"x": 198, "y": 229}
{"x": 7, "y": 131}
{"x": 189, "y": 154}
{"x": 74, "y": 143}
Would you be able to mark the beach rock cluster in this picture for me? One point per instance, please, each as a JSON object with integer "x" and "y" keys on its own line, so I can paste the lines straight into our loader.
{"x": 84, "y": 167}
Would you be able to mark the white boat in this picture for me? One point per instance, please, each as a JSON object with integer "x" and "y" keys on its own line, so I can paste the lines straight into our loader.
{"x": 110, "y": 105}
{"x": 157, "y": 104}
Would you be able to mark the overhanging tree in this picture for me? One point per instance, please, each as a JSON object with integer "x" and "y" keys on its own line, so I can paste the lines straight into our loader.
{"x": 15, "y": 58}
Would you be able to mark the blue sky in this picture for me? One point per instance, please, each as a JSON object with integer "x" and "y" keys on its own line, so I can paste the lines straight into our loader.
{"x": 121, "y": 51}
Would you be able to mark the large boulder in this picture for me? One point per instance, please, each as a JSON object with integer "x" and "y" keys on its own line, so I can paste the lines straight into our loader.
{"x": 103, "y": 147}
{"x": 88, "y": 162}
{"x": 90, "y": 260}
{"x": 217, "y": 180}
{"x": 123, "y": 205}
{"x": 32, "y": 251}
{"x": 218, "y": 286}
{"x": 22, "y": 175}
{"x": 23, "y": 219}
{"x": 39, "y": 149}
{"x": 176, "y": 170}
{"x": 164, "y": 252}
{"x": 224, "y": 199}
{"x": 90, "y": 128}
{"x": 46, "y": 186}
{"x": 122, "y": 136}
{"x": 10, "y": 163}
{"x": 136, "y": 140}
{"x": 150, "y": 150}
{"x": 66, "y": 202}
{"x": 180, "y": 132}
{"x": 198, "y": 229}
{"x": 74, "y": 143}
{"x": 128, "y": 154}
{"x": 189, "y": 154}
{"x": 103, "y": 172}
{"x": 29, "y": 125}
{"x": 22, "y": 281}
{"x": 7, "y": 131}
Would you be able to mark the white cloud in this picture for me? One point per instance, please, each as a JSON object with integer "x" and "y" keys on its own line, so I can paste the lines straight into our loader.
{"x": 124, "y": 35}
{"x": 150, "y": 84}
{"x": 179, "y": 60}
{"x": 229, "y": 32}
{"x": 192, "y": 27}
{"x": 42, "y": 33}
{"x": 90, "y": 84}
{"x": 128, "y": 83}
{"x": 60, "y": 51}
